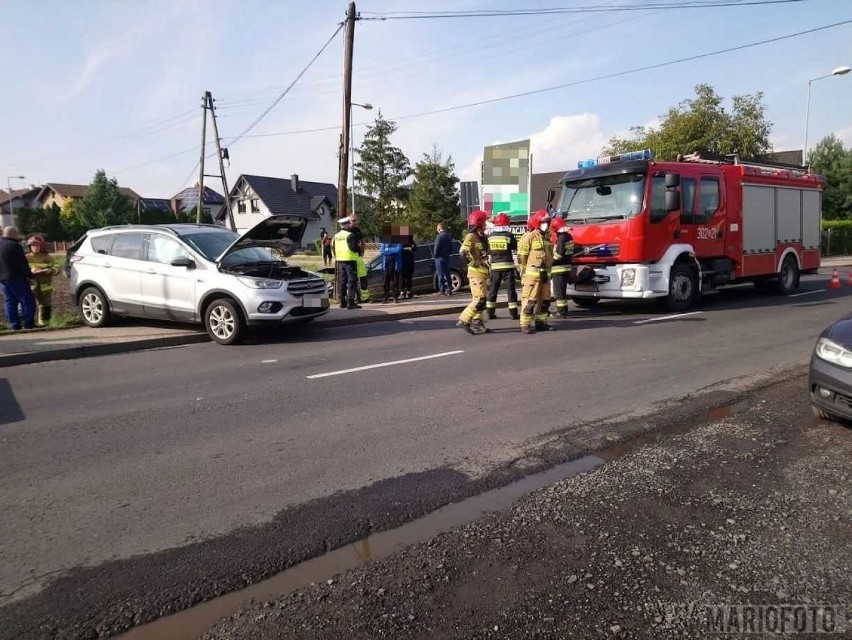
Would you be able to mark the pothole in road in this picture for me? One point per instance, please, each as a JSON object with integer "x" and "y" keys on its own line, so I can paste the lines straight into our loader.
{"x": 191, "y": 623}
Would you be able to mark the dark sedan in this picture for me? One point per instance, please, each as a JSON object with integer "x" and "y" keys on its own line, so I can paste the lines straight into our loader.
{"x": 425, "y": 278}
{"x": 830, "y": 376}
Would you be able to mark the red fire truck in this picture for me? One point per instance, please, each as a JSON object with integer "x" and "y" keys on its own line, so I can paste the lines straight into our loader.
{"x": 672, "y": 230}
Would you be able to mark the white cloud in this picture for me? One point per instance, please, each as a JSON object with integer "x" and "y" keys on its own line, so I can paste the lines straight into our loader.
{"x": 845, "y": 135}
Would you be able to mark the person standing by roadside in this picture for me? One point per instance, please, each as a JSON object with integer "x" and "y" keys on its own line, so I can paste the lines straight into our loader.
{"x": 15, "y": 274}
{"x": 43, "y": 269}
{"x": 563, "y": 253}
{"x": 442, "y": 250}
{"x": 473, "y": 253}
{"x": 501, "y": 245}
{"x": 408, "y": 249}
{"x": 325, "y": 245}
{"x": 346, "y": 249}
{"x": 535, "y": 256}
{"x": 392, "y": 265}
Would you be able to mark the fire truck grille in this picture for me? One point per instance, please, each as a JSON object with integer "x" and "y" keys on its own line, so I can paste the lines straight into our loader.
{"x": 597, "y": 251}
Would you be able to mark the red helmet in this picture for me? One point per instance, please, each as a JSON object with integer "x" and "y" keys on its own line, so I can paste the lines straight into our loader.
{"x": 557, "y": 223}
{"x": 36, "y": 240}
{"x": 502, "y": 220}
{"x": 537, "y": 218}
{"x": 477, "y": 219}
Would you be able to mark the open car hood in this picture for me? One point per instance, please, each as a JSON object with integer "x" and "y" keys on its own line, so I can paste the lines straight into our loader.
{"x": 283, "y": 233}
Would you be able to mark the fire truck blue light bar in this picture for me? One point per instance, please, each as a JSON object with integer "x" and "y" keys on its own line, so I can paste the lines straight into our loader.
{"x": 645, "y": 154}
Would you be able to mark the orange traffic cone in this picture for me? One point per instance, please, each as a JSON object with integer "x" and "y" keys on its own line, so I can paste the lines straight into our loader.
{"x": 835, "y": 279}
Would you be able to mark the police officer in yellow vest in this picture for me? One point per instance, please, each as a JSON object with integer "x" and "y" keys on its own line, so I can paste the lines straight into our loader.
{"x": 473, "y": 252}
{"x": 535, "y": 256}
{"x": 563, "y": 252}
{"x": 346, "y": 247}
{"x": 501, "y": 245}
{"x": 43, "y": 268}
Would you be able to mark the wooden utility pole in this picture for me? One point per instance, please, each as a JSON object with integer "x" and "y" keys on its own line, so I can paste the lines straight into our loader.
{"x": 222, "y": 155}
{"x": 343, "y": 156}
{"x": 201, "y": 161}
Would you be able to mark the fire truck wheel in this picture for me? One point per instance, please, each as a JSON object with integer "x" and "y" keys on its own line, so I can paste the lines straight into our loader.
{"x": 683, "y": 289}
{"x": 586, "y": 303}
{"x": 788, "y": 278}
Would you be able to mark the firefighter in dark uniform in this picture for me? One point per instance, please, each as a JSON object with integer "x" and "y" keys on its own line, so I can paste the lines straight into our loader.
{"x": 563, "y": 251}
{"x": 501, "y": 245}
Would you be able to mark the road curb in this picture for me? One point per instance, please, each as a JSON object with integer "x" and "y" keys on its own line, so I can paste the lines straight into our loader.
{"x": 93, "y": 350}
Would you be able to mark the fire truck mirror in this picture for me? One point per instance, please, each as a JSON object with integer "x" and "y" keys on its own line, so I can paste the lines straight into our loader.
{"x": 551, "y": 195}
{"x": 672, "y": 200}
{"x": 672, "y": 180}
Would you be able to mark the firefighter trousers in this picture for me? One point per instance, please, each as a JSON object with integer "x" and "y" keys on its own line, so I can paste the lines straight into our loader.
{"x": 479, "y": 294}
{"x": 535, "y": 301}
{"x": 560, "y": 292}
{"x": 498, "y": 276}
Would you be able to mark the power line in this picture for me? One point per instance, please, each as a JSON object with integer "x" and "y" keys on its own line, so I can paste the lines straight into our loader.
{"x": 584, "y": 81}
{"x": 287, "y": 90}
{"x": 490, "y": 13}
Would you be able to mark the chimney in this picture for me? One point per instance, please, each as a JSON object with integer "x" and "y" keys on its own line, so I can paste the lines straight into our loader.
{"x": 294, "y": 182}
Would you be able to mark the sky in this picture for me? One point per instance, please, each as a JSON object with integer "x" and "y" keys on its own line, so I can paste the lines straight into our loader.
{"x": 117, "y": 85}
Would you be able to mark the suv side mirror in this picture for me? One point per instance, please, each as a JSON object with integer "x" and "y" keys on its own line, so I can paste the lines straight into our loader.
{"x": 672, "y": 180}
{"x": 672, "y": 201}
{"x": 183, "y": 261}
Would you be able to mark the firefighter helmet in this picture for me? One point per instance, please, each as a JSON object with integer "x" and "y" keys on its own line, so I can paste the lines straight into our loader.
{"x": 558, "y": 224}
{"x": 36, "y": 240}
{"x": 502, "y": 220}
{"x": 477, "y": 219}
{"x": 537, "y": 219}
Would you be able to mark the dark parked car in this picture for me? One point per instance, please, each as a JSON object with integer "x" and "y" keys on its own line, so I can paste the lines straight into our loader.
{"x": 425, "y": 279}
{"x": 830, "y": 376}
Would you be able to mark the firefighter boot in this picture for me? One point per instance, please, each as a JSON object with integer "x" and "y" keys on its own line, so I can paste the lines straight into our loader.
{"x": 479, "y": 327}
{"x": 461, "y": 324}
{"x": 44, "y": 315}
{"x": 513, "y": 313}
{"x": 491, "y": 312}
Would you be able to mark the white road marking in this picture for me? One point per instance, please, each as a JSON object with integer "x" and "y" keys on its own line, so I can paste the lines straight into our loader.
{"x": 382, "y": 364}
{"x": 672, "y": 317}
{"x": 807, "y": 293}
{"x": 268, "y": 361}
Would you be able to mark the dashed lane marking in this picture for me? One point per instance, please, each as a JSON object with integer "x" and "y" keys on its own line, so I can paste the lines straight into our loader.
{"x": 671, "y": 317}
{"x": 382, "y": 364}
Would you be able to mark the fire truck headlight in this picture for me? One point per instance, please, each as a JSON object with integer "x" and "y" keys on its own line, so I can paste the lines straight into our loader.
{"x": 628, "y": 278}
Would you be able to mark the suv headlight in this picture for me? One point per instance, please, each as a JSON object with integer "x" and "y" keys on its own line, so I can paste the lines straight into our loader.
{"x": 261, "y": 283}
{"x": 628, "y": 278}
{"x": 832, "y": 352}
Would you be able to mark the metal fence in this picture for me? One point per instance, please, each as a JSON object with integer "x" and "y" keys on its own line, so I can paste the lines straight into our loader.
{"x": 837, "y": 242}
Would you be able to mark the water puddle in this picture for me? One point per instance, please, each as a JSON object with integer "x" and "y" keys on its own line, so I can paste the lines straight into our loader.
{"x": 192, "y": 622}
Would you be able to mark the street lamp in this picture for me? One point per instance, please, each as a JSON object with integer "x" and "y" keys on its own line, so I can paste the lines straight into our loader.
{"x": 839, "y": 71}
{"x": 366, "y": 106}
{"x": 11, "y": 199}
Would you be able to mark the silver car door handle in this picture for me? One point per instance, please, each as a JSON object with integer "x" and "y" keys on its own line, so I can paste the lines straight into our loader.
{"x": 107, "y": 265}
{"x": 152, "y": 271}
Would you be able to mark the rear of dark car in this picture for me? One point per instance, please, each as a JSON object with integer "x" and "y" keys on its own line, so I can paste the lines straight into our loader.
{"x": 830, "y": 376}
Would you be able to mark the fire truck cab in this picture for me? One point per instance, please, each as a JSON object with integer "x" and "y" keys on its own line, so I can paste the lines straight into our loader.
{"x": 672, "y": 230}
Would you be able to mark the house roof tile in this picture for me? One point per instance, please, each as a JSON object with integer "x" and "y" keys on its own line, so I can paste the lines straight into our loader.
{"x": 278, "y": 195}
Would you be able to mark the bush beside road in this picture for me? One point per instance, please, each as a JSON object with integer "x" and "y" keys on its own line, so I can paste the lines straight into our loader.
{"x": 752, "y": 506}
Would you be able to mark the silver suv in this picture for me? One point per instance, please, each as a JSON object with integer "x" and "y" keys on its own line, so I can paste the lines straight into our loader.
{"x": 196, "y": 273}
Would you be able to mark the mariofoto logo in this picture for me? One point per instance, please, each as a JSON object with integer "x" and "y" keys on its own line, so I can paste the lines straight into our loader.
{"x": 780, "y": 619}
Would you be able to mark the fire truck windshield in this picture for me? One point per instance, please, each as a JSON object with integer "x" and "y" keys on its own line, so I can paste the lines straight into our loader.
{"x": 612, "y": 197}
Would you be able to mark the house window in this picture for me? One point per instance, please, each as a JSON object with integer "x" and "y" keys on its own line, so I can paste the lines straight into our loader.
{"x": 241, "y": 206}
{"x": 255, "y": 205}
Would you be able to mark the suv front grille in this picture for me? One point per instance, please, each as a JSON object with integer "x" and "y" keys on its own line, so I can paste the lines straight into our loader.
{"x": 314, "y": 286}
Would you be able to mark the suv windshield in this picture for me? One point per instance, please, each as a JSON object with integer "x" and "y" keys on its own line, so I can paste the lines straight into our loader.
{"x": 212, "y": 244}
{"x": 603, "y": 198}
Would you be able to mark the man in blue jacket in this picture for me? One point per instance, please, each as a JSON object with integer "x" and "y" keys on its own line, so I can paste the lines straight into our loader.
{"x": 392, "y": 264}
{"x": 442, "y": 251}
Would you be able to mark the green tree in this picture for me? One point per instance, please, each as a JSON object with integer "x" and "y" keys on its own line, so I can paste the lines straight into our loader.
{"x": 434, "y": 196}
{"x": 104, "y": 205}
{"x": 832, "y": 160}
{"x": 381, "y": 172}
{"x": 69, "y": 217}
{"x": 702, "y": 124}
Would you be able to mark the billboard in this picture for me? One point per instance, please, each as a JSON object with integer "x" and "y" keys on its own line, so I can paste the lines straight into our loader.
{"x": 506, "y": 177}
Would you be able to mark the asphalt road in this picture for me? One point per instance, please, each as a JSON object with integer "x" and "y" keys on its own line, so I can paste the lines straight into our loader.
{"x": 135, "y": 485}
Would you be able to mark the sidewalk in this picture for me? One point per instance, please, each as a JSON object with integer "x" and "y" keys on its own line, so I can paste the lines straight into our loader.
{"x": 43, "y": 345}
